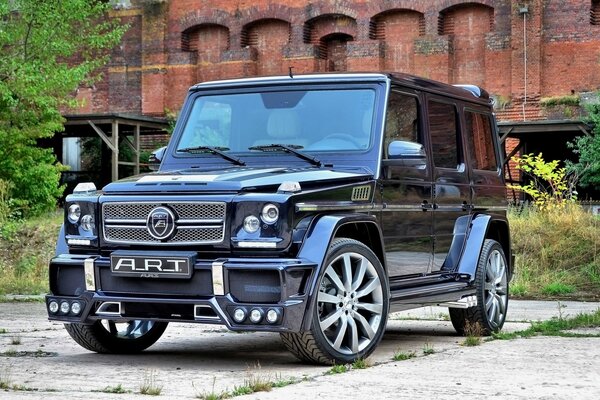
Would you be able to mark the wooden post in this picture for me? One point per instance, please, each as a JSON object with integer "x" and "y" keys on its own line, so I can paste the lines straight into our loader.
{"x": 115, "y": 150}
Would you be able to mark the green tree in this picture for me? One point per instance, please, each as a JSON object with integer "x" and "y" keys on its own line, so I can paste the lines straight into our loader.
{"x": 47, "y": 49}
{"x": 587, "y": 149}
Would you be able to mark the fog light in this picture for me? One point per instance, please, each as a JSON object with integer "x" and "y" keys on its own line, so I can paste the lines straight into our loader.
{"x": 64, "y": 307}
{"x": 251, "y": 224}
{"x": 53, "y": 307}
{"x": 239, "y": 315}
{"x": 256, "y": 315}
{"x": 76, "y": 308}
{"x": 74, "y": 213}
{"x": 272, "y": 316}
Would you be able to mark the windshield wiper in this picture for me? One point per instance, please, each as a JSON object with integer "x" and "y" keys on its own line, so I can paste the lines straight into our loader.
{"x": 220, "y": 151}
{"x": 289, "y": 148}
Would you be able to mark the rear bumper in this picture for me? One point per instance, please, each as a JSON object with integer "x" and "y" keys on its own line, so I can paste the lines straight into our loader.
{"x": 211, "y": 295}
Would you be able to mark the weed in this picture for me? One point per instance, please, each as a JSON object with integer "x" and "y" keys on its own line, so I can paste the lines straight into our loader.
{"x": 2, "y": 331}
{"x": 401, "y": 356}
{"x": 241, "y": 390}
{"x": 428, "y": 349}
{"x": 10, "y": 353}
{"x": 258, "y": 383}
{"x": 282, "y": 382}
{"x": 518, "y": 289}
{"x": 473, "y": 333}
{"x": 556, "y": 327}
{"x": 338, "y": 369}
{"x": 115, "y": 389}
{"x": 361, "y": 363}
{"x": 149, "y": 385}
{"x": 15, "y": 340}
{"x": 212, "y": 395}
{"x": 5, "y": 378}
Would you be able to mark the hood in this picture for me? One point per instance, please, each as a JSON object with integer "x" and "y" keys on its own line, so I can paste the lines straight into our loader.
{"x": 234, "y": 179}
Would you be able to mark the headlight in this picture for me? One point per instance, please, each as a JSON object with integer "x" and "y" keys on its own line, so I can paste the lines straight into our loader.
{"x": 87, "y": 223}
{"x": 251, "y": 224}
{"x": 270, "y": 214}
{"x": 74, "y": 213}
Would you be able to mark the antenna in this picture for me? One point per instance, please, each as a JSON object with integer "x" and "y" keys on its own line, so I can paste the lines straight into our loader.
{"x": 291, "y": 74}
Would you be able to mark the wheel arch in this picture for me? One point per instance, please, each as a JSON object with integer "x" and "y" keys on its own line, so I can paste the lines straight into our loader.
{"x": 322, "y": 231}
{"x": 482, "y": 227}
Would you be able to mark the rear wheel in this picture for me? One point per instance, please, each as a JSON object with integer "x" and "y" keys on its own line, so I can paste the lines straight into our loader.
{"x": 351, "y": 307}
{"x": 106, "y": 336}
{"x": 491, "y": 282}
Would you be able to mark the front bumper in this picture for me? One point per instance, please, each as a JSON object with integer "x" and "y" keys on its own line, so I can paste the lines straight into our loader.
{"x": 216, "y": 289}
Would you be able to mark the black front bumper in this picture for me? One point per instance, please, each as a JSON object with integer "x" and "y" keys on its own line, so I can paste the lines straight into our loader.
{"x": 211, "y": 295}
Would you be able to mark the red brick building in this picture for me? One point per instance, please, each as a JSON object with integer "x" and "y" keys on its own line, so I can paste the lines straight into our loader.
{"x": 520, "y": 51}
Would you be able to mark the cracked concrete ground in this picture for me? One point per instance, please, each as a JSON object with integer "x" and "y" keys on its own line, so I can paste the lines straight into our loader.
{"x": 191, "y": 360}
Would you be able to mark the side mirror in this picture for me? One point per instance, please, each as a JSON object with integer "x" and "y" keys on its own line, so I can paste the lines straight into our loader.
{"x": 155, "y": 158}
{"x": 402, "y": 150}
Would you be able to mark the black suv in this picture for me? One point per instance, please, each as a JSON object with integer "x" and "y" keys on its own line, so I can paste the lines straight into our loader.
{"x": 307, "y": 205}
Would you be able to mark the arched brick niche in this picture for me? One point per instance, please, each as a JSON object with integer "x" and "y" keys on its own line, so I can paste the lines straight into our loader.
{"x": 209, "y": 41}
{"x": 331, "y": 33}
{"x": 269, "y": 37}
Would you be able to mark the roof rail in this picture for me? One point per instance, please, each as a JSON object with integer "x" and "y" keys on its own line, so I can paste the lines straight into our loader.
{"x": 475, "y": 90}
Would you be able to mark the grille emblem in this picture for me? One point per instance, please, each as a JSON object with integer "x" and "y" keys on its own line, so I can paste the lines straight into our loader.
{"x": 160, "y": 223}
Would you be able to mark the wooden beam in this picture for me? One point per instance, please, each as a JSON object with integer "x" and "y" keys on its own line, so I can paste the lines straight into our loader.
{"x": 115, "y": 151}
{"x": 136, "y": 149}
{"x": 102, "y": 135}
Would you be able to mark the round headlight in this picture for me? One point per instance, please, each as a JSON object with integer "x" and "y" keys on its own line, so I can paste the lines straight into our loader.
{"x": 74, "y": 213}
{"x": 53, "y": 307}
{"x": 87, "y": 222}
{"x": 64, "y": 307}
{"x": 270, "y": 214}
{"x": 251, "y": 224}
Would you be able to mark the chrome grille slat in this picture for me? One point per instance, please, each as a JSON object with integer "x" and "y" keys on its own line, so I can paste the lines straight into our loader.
{"x": 196, "y": 222}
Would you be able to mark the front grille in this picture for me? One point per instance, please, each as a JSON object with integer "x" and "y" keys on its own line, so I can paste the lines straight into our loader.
{"x": 195, "y": 223}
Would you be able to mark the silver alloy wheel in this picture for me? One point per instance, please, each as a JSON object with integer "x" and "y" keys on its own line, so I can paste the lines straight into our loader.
{"x": 133, "y": 329}
{"x": 350, "y": 303}
{"x": 496, "y": 289}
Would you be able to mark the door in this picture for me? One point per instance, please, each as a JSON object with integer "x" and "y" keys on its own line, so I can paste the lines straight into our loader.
{"x": 451, "y": 189}
{"x": 406, "y": 192}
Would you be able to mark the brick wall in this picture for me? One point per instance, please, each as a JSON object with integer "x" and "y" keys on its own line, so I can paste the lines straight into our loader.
{"x": 174, "y": 44}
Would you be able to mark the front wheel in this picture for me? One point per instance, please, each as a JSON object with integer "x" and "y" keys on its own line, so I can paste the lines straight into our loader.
{"x": 106, "y": 336}
{"x": 351, "y": 309}
{"x": 491, "y": 283}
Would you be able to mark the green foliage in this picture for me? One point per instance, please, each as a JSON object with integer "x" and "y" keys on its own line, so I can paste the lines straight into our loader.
{"x": 338, "y": 369}
{"x": 557, "y": 251}
{"x": 401, "y": 356}
{"x": 556, "y": 327}
{"x": 587, "y": 149}
{"x": 47, "y": 49}
{"x": 568, "y": 100}
{"x": 550, "y": 186}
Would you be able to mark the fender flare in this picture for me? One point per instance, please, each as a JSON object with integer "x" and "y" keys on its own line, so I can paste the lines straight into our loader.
{"x": 480, "y": 231}
{"x": 316, "y": 244}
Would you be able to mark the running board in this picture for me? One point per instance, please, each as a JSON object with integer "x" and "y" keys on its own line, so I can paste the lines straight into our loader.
{"x": 465, "y": 302}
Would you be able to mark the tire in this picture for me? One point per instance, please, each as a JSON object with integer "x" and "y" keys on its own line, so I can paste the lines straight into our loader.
{"x": 491, "y": 283}
{"x": 351, "y": 308}
{"x": 106, "y": 336}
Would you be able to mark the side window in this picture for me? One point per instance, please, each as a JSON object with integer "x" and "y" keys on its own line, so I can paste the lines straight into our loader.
{"x": 402, "y": 119}
{"x": 444, "y": 135}
{"x": 478, "y": 129}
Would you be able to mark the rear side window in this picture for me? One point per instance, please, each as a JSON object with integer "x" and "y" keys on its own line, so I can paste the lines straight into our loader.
{"x": 478, "y": 129}
{"x": 444, "y": 135}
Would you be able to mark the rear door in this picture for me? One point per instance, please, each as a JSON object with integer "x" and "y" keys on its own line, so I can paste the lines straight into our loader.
{"x": 451, "y": 189}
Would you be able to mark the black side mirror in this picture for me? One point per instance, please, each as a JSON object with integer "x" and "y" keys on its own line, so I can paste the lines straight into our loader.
{"x": 155, "y": 158}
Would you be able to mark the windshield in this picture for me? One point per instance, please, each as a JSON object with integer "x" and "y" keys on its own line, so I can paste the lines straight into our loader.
{"x": 308, "y": 120}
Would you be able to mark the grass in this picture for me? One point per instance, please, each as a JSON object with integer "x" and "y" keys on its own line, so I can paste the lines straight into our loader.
{"x": 361, "y": 363}
{"x": 15, "y": 340}
{"x": 149, "y": 385}
{"x": 557, "y": 253}
{"x": 403, "y": 356}
{"x": 473, "y": 333}
{"x": 428, "y": 349}
{"x": 338, "y": 369}
{"x": 3, "y": 331}
{"x": 119, "y": 389}
{"x": 25, "y": 250}
{"x": 557, "y": 326}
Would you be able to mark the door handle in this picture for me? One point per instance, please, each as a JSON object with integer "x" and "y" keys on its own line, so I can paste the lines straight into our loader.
{"x": 466, "y": 206}
{"x": 425, "y": 206}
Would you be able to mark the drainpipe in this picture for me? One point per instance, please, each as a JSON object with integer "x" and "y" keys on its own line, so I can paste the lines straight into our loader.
{"x": 524, "y": 11}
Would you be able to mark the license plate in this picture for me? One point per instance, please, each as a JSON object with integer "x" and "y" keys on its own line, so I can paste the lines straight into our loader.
{"x": 152, "y": 265}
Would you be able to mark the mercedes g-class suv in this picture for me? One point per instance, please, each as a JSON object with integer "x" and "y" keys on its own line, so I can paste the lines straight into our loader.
{"x": 312, "y": 206}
